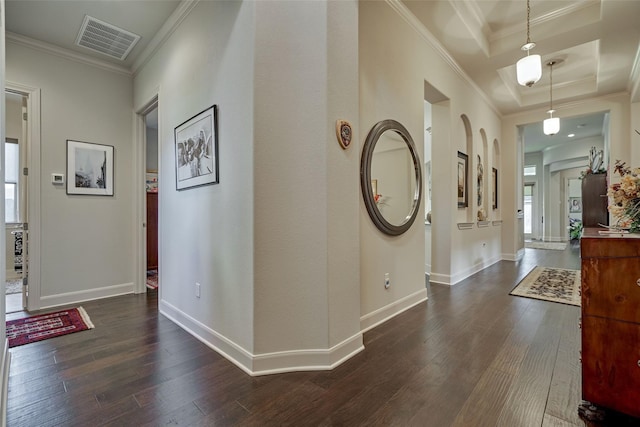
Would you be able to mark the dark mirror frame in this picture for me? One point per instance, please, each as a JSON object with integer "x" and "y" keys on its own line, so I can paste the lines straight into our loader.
{"x": 365, "y": 177}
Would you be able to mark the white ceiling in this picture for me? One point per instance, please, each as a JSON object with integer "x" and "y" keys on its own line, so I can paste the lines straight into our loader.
{"x": 57, "y": 22}
{"x": 598, "y": 41}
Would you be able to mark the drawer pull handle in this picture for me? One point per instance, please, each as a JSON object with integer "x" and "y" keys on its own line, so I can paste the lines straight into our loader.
{"x": 639, "y": 363}
{"x": 638, "y": 282}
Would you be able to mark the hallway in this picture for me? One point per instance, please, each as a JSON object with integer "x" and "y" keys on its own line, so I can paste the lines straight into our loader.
{"x": 471, "y": 355}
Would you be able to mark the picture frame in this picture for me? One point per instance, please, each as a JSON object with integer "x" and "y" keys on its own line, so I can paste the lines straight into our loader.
{"x": 462, "y": 183}
{"x": 196, "y": 150}
{"x": 89, "y": 168}
{"x": 494, "y": 196}
{"x": 575, "y": 204}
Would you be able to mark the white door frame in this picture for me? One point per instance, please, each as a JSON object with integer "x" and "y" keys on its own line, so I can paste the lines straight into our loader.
{"x": 140, "y": 205}
{"x": 33, "y": 188}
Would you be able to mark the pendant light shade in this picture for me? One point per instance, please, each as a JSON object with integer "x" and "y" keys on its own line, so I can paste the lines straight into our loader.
{"x": 529, "y": 68}
{"x": 551, "y": 126}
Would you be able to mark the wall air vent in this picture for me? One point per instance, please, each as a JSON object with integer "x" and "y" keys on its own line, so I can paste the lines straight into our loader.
{"x": 105, "y": 38}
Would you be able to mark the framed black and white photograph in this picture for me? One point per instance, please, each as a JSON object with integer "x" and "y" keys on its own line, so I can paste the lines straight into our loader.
{"x": 494, "y": 194}
{"x": 575, "y": 204}
{"x": 463, "y": 172}
{"x": 89, "y": 168}
{"x": 197, "y": 150}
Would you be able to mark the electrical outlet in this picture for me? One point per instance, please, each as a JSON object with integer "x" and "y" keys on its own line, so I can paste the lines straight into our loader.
{"x": 197, "y": 290}
{"x": 387, "y": 281}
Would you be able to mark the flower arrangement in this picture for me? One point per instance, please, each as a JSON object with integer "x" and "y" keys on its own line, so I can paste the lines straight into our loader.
{"x": 625, "y": 197}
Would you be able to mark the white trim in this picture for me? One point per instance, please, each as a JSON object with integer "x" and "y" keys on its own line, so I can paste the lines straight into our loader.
{"x": 139, "y": 195}
{"x": 33, "y": 188}
{"x": 450, "y": 280}
{"x": 86, "y": 295}
{"x": 441, "y": 279}
{"x": 4, "y": 382}
{"x": 634, "y": 78}
{"x": 266, "y": 363}
{"x": 307, "y": 360}
{"x": 415, "y": 23}
{"x": 468, "y": 272}
{"x": 514, "y": 257}
{"x": 65, "y": 53}
{"x": 170, "y": 25}
{"x": 381, "y": 315}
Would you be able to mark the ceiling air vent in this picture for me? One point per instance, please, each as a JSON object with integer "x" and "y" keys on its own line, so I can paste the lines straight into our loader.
{"x": 105, "y": 38}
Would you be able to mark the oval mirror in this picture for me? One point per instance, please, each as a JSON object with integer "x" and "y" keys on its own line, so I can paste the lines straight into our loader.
{"x": 390, "y": 177}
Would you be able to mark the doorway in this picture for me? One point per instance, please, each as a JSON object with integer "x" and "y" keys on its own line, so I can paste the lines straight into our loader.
{"x": 15, "y": 190}
{"x": 530, "y": 225}
{"x": 151, "y": 199}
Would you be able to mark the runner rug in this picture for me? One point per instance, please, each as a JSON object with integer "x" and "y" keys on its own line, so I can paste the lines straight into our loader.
{"x": 556, "y": 246}
{"x": 551, "y": 284}
{"x": 49, "y": 325}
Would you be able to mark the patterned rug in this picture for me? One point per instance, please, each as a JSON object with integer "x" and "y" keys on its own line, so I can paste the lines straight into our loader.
{"x": 551, "y": 284}
{"x": 556, "y": 246}
{"x": 45, "y": 326}
{"x": 152, "y": 279}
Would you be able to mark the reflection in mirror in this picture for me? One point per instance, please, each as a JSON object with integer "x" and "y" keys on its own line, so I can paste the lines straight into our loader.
{"x": 392, "y": 168}
{"x": 391, "y": 178}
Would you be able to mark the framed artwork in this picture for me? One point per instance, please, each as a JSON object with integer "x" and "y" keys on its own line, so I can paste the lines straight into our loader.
{"x": 89, "y": 168}
{"x": 575, "y": 204}
{"x": 463, "y": 172}
{"x": 197, "y": 150}
{"x": 494, "y": 196}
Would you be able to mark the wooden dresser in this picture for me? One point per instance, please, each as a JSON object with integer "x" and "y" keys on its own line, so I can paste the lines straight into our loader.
{"x": 611, "y": 320}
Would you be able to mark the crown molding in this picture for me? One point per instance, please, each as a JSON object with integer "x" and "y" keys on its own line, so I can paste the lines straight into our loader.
{"x": 634, "y": 78}
{"x": 415, "y": 23}
{"x": 560, "y": 13}
{"x": 471, "y": 15}
{"x": 170, "y": 25}
{"x": 611, "y": 97}
{"x": 65, "y": 53}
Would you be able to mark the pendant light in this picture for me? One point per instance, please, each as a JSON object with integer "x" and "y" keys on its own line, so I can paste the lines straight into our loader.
{"x": 551, "y": 126}
{"x": 529, "y": 68}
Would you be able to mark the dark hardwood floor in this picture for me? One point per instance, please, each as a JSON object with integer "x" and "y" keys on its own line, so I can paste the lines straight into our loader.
{"x": 471, "y": 356}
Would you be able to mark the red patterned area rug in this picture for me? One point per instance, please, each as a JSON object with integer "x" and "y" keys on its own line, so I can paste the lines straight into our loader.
{"x": 551, "y": 284}
{"x": 49, "y": 325}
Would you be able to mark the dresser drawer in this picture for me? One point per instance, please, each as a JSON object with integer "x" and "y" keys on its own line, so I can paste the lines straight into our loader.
{"x": 611, "y": 364}
{"x": 611, "y": 288}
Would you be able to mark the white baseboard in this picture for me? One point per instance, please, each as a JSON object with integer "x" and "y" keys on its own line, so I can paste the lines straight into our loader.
{"x": 514, "y": 257}
{"x": 85, "y": 295}
{"x": 458, "y": 277}
{"x": 385, "y": 313}
{"x": 5, "y": 361}
{"x": 266, "y": 363}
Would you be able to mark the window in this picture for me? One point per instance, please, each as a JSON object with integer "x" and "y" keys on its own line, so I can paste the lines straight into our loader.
{"x": 11, "y": 178}
{"x": 530, "y": 170}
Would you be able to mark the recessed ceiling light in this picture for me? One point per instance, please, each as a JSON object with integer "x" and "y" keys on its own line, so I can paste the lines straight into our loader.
{"x": 571, "y": 135}
{"x": 581, "y": 125}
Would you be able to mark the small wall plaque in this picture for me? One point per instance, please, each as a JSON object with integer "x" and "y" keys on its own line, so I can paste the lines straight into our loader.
{"x": 344, "y": 133}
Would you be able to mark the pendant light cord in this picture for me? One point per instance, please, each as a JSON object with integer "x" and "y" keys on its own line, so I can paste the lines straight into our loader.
{"x": 551, "y": 86}
{"x": 528, "y": 17}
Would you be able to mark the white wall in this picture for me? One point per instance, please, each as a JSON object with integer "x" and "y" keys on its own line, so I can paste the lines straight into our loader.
{"x": 152, "y": 149}
{"x": 395, "y": 61}
{"x": 275, "y": 244}
{"x": 205, "y": 233}
{"x": 86, "y": 249}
